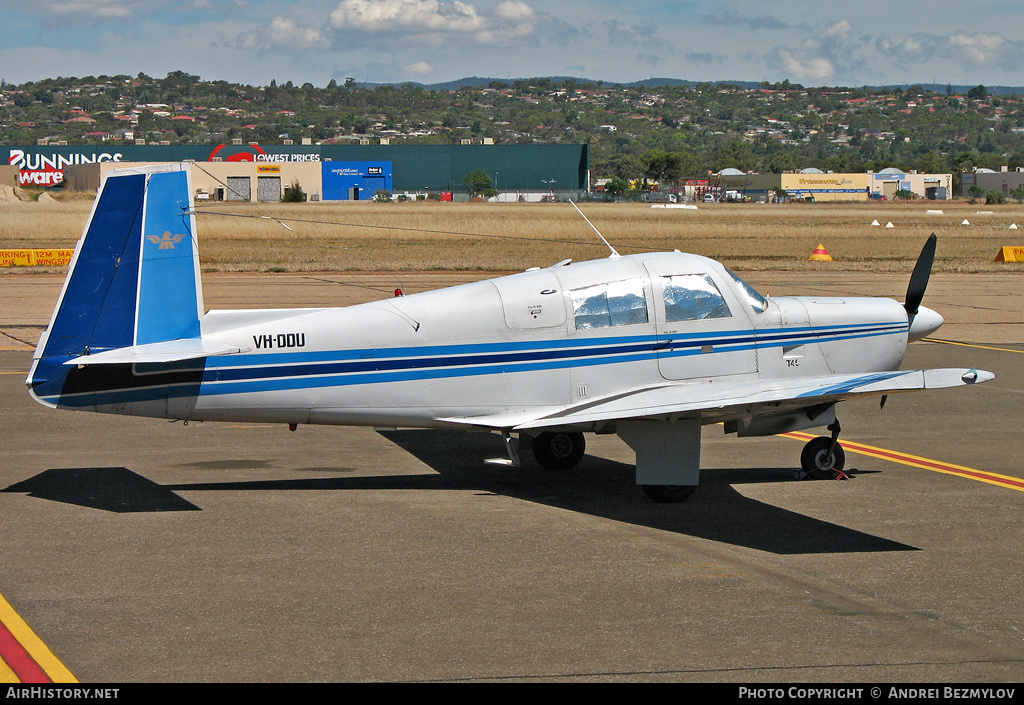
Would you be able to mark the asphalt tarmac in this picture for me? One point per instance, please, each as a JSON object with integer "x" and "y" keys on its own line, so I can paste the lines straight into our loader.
{"x": 142, "y": 550}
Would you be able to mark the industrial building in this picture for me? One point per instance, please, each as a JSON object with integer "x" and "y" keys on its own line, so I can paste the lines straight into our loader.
{"x": 324, "y": 172}
{"x": 1005, "y": 180}
{"x": 816, "y": 185}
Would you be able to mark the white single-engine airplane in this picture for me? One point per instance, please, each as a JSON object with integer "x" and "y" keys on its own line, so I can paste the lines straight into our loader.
{"x": 650, "y": 347}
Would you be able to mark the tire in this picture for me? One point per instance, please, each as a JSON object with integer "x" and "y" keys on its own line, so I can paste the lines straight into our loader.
{"x": 816, "y": 457}
{"x": 559, "y": 450}
{"x": 668, "y": 493}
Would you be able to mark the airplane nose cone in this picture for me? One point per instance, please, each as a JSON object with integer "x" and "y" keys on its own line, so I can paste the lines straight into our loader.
{"x": 923, "y": 323}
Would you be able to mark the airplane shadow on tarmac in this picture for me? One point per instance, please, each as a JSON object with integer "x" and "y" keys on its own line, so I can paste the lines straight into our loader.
{"x": 597, "y": 486}
{"x": 110, "y": 489}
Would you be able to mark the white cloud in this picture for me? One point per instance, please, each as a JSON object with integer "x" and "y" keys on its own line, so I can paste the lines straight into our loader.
{"x": 835, "y": 51}
{"x": 803, "y": 68}
{"x": 420, "y": 68}
{"x": 92, "y": 9}
{"x": 433, "y": 22}
{"x": 418, "y": 15}
{"x": 977, "y": 48}
{"x": 634, "y": 35}
{"x": 115, "y": 13}
{"x": 731, "y": 17}
{"x": 842, "y": 30}
{"x": 987, "y": 50}
{"x": 283, "y": 34}
{"x": 976, "y": 51}
{"x": 516, "y": 11}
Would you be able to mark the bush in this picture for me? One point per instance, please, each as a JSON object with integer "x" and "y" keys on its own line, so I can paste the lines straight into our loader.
{"x": 382, "y": 196}
{"x": 994, "y": 198}
{"x": 294, "y": 194}
{"x": 617, "y": 186}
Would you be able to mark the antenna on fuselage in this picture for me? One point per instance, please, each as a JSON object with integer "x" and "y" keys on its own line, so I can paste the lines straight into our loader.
{"x": 614, "y": 253}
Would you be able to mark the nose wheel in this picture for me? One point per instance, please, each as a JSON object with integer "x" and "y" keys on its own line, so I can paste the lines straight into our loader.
{"x": 823, "y": 457}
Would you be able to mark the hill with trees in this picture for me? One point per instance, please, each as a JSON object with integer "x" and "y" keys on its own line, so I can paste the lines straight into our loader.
{"x": 656, "y": 129}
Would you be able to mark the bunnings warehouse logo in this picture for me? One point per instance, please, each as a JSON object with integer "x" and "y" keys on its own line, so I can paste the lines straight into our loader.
{"x": 38, "y": 169}
{"x": 55, "y": 162}
{"x": 40, "y": 178}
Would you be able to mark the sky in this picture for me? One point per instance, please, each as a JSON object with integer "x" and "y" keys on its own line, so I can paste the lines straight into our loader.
{"x": 869, "y": 42}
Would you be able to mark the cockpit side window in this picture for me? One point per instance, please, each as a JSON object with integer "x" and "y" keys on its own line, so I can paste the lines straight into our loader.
{"x": 620, "y": 303}
{"x": 749, "y": 293}
{"x": 693, "y": 297}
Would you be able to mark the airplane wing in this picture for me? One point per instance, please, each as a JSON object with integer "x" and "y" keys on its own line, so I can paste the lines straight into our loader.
{"x": 723, "y": 401}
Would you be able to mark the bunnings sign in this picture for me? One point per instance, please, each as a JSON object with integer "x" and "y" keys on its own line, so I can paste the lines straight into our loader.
{"x": 44, "y": 166}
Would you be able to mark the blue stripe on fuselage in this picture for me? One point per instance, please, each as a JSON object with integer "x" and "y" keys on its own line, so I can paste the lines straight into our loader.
{"x": 250, "y": 373}
{"x": 362, "y": 361}
{"x": 296, "y": 370}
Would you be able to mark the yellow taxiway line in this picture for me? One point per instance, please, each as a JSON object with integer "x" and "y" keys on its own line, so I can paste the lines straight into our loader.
{"x": 1013, "y": 483}
{"x": 24, "y": 658}
{"x": 971, "y": 345}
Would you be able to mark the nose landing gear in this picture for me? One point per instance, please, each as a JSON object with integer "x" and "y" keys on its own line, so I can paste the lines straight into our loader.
{"x": 823, "y": 457}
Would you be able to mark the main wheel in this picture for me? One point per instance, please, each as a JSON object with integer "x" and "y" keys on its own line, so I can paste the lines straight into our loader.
{"x": 818, "y": 455}
{"x": 668, "y": 493}
{"x": 559, "y": 450}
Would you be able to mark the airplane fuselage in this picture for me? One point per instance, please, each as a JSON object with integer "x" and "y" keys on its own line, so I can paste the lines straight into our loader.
{"x": 551, "y": 337}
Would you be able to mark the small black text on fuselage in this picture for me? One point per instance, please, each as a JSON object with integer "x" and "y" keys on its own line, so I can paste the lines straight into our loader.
{"x": 279, "y": 340}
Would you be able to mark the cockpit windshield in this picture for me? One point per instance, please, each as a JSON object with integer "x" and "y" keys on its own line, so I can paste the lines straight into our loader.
{"x": 749, "y": 293}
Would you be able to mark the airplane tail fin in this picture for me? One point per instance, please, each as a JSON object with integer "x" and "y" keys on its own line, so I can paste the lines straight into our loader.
{"x": 134, "y": 279}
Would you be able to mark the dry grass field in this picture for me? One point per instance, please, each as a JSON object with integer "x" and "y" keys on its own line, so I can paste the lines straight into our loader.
{"x": 492, "y": 237}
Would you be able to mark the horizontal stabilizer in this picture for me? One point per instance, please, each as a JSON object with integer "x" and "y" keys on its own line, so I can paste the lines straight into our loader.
{"x": 164, "y": 351}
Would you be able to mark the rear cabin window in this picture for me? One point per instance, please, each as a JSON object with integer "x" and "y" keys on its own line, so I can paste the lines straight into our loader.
{"x": 613, "y": 304}
{"x": 693, "y": 297}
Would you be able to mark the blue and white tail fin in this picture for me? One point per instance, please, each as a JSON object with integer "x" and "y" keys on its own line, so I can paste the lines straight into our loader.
{"x": 133, "y": 292}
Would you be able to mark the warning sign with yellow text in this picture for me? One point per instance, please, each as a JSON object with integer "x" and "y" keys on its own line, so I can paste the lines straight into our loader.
{"x": 35, "y": 258}
{"x": 1010, "y": 254}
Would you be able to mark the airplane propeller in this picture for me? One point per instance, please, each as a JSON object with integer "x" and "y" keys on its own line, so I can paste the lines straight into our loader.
{"x": 919, "y": 277}
{"x": 923, "y": 321}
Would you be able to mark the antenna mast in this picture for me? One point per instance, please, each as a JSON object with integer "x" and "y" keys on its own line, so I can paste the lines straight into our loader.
{"x": 614, "y": 253}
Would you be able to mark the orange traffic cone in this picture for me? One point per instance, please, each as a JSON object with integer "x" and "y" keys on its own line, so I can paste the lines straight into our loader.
{"x": 820, "y": 255}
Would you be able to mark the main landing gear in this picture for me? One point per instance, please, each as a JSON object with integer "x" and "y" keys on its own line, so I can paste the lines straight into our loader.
{"x": 559, "y": 450}
{"x": 668, "y": 493}
{"x": 823, "y": 457}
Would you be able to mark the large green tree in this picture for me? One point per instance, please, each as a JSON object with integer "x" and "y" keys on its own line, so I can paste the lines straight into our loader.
{"x": 479, "y": 183}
